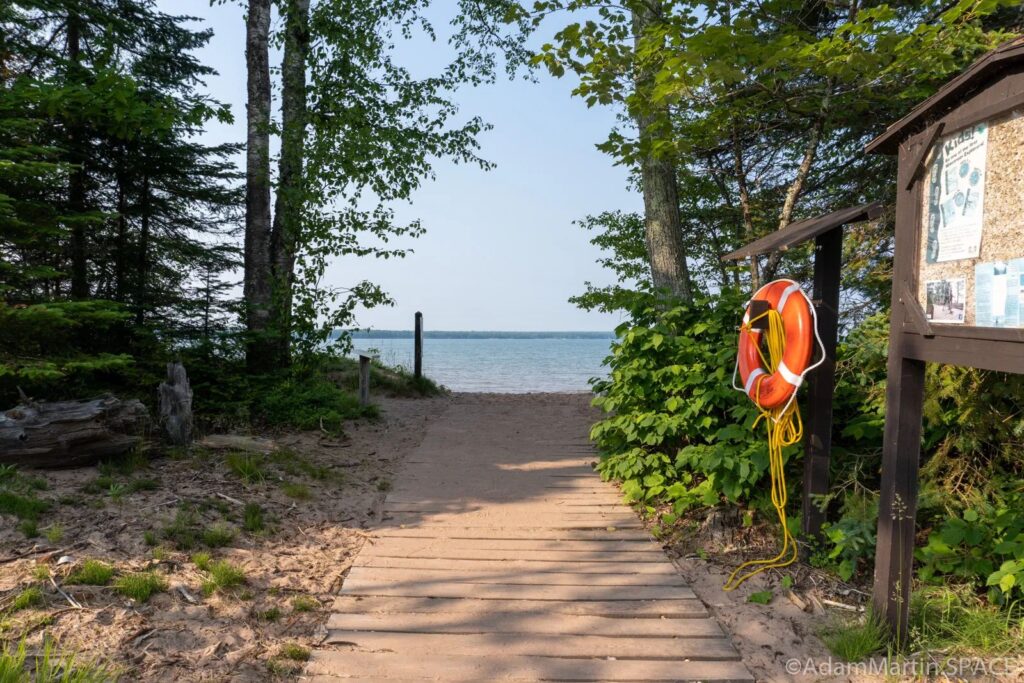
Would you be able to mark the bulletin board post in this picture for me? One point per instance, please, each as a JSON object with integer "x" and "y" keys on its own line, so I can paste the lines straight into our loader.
{"x": 958, "y": 239}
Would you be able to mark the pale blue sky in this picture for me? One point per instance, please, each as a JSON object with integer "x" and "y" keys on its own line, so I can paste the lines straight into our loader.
{"x": 500, "y": 252}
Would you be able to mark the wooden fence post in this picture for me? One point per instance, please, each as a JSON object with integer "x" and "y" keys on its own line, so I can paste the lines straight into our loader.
{"x": 828, "y": 263}
{"x": 418, "y": 350}
{"x": 364, "y": 380}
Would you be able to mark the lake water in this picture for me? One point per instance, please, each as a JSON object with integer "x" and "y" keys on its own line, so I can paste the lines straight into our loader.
{"x": 500, "y": 365}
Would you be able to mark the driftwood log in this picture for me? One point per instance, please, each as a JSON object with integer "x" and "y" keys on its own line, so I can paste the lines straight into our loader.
{"x": 70, "y": 433}
{"x": 176, "y": 405}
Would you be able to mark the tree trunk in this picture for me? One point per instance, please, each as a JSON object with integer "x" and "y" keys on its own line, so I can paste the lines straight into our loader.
{"x": 291, "y": 182}
{"x": 176, "y": 405}
{"x": 76, "y": 182}
{"x": 256, "y": 288}
{"x": 70, "y": 433}
{"x": 142, "y": 265}
{"x": 121, "y": 244}
{"x": 663, "y": 229}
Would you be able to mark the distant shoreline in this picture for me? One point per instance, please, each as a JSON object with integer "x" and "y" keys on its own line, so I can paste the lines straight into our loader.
{"x": 472, "y": 334}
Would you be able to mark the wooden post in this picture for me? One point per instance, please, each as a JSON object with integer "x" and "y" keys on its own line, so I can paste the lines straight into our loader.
{"x": 364, "y": 380}
{"x": 418, "y": 350}
{"x": 828, "y": 258}
{"x": 901, "y": 440}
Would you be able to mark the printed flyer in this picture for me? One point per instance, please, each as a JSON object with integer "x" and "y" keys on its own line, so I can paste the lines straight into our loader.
{"x": 947, "y": 300}
{"x": 956, "y": 196}
{"x": 997, "y": 293}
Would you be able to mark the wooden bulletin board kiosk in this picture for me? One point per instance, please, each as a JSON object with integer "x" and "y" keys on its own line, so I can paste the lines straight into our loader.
{"x": 958, "y": 275}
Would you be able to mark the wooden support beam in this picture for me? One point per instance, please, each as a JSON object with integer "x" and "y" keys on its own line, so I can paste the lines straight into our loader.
{"x": 418, "y": 347}
{"x": 364, "y": 380}
{"x": 828, "y": 257}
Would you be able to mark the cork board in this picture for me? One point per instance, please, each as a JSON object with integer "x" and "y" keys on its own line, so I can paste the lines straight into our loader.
{"x": 972, "y": 283}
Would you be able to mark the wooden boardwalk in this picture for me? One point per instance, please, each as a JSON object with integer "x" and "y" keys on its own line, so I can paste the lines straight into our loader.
{"x": 502, "y": 556}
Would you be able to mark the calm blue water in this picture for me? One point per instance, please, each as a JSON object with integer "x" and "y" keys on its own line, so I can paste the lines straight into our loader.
{"x": 500, "y": 365}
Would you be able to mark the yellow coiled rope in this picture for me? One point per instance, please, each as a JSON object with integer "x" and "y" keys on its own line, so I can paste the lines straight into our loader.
{"x": 785, "y": 428}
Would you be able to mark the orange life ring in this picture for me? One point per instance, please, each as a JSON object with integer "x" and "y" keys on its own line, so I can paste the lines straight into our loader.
{"x": 773, "y": 390}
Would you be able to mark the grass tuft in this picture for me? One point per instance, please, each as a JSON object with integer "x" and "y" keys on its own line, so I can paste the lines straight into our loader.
{"x": 30, "y": 597}
{"x": 140, "y": 586}
{"x": 271, "y": 614}
{"x": 246, "y": 466}
{"x": 296, "y": 491}
{"x": 254, "y": 519}
{"x": 91, "y": 573}
{"x": 855, "y": 640}
{"x": 55, "y": 534}
{"x": 183, "y": 532}
{"x": 295, "y": 652}
{"x": 218, "y": 535}
{"x": 222, "y": 575}
{"x": 202, "y": 561}
{"x": 26, "y": 508}
{"x": 305, "y": 603}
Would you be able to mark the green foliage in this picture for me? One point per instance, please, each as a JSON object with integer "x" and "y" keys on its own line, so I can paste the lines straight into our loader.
{"x": 18, "y": 498}
{"x": 50, "y": 667}
{"x": 307, "y": 402}
{"x": 760, "y": 597}
{"x": 984, "y": 545}
{"x": 91, "y": 573}
{"x": 955, "y": 621}
{"x": 675, "y": 429}
{"x": 140, "y": 586}
{"x": 852, "y": 536}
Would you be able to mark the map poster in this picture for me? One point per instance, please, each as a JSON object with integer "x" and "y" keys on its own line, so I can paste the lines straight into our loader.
{"x": 997, "y": 293}
{"x": 956, "y": 196}
{"x": 947, "y": 300}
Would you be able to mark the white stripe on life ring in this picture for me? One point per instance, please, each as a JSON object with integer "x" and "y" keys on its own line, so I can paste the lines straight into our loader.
{"x": 789, "y": 375}
{"x": 754, "y": 374}
{"x": 785, "y": 296}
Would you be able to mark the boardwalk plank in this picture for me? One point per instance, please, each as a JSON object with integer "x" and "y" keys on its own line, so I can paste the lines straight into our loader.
{"x": 685, "y": 608}
{"x": 557, "y": 566}
{"x": 537, "y": 622}
{"x": 512, "y": 576}
{"x": 452, "y": 589}
{"x": 509, "y": 668}
{"x": 506, "y": 532}
{"x": 529, "y": 645}
{"x": 638, "y": 545}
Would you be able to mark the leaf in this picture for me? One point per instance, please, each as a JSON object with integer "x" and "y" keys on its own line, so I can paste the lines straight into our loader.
{"x": 761, "y": 597}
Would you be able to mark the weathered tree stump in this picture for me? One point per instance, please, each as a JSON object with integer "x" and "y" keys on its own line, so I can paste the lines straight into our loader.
{"x": 70, "y": 433}
{"x": 176, "y": 405}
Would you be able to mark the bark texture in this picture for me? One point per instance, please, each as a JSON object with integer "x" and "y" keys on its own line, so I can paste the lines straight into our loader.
{"x": 291, "y": 186}
{"x": 70, "y": 433}
{"x": 256, "y": 287}
{"x": 663, "y": 228}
